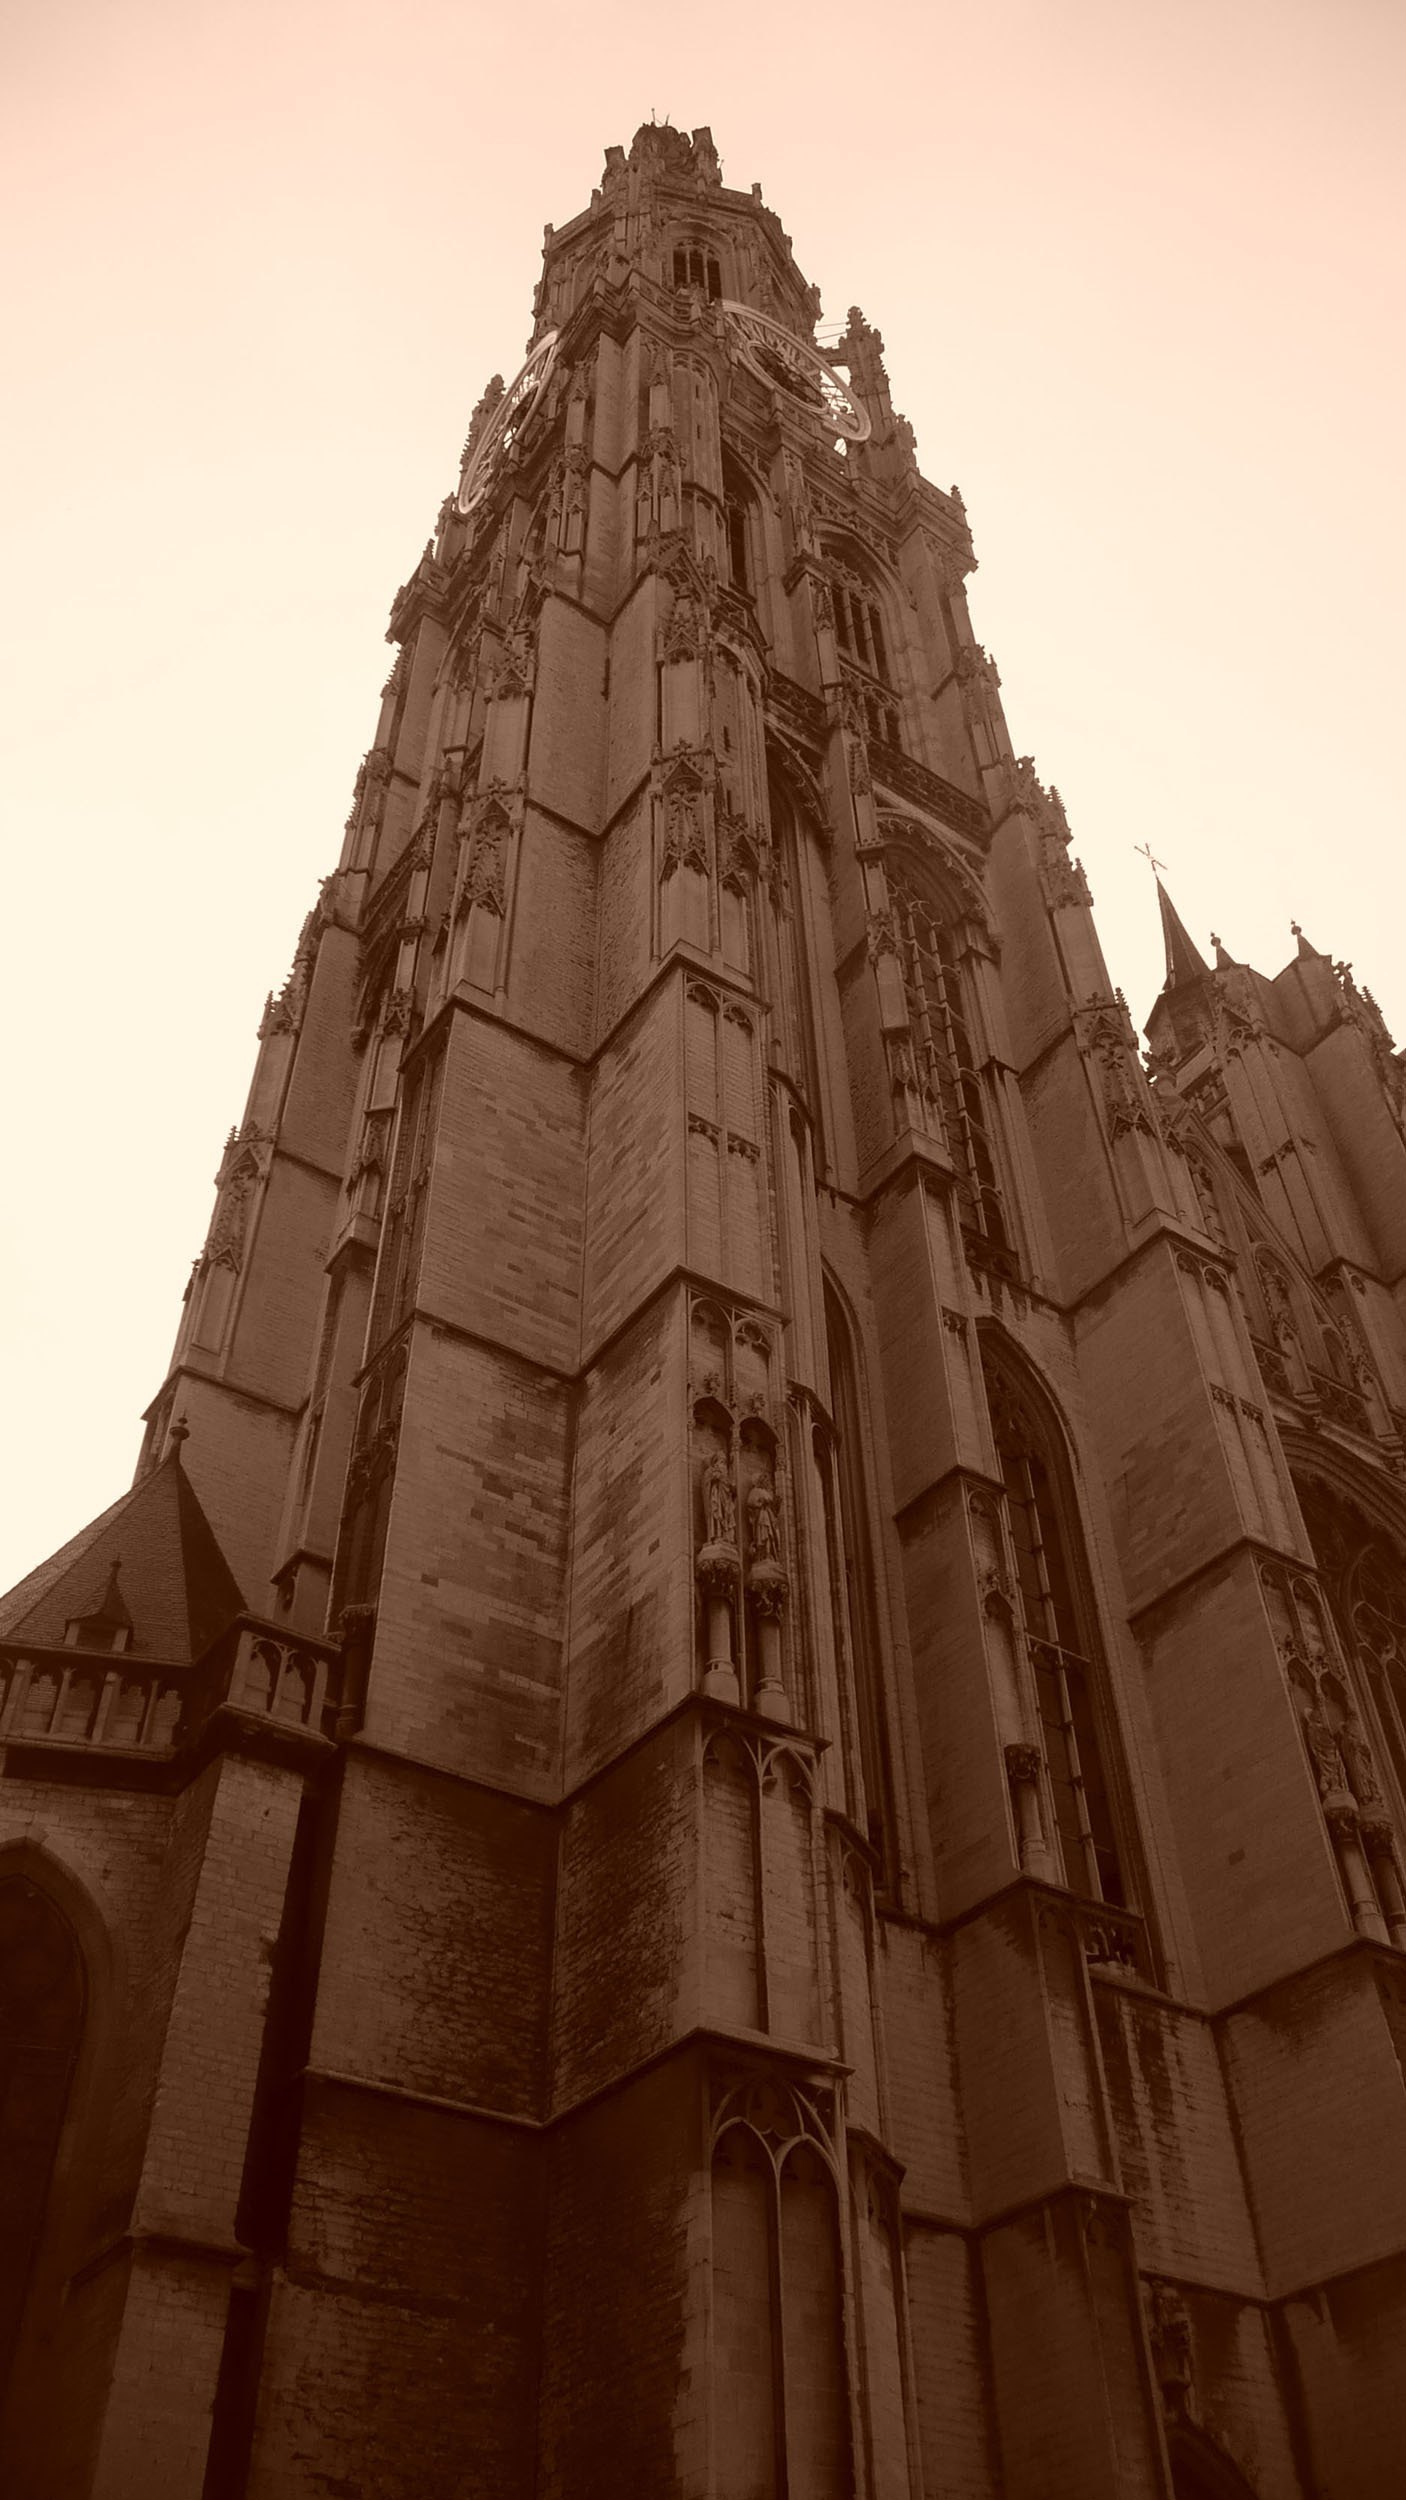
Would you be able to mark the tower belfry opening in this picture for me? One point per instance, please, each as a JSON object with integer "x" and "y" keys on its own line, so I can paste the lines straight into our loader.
{"x": 725, "y": 1815}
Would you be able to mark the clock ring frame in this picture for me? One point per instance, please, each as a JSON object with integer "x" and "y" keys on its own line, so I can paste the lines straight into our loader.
{"x": 512, "y": 411}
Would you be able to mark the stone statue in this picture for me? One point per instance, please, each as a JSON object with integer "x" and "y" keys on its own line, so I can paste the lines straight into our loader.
{"x": 1357, "y": 1761}
{"x": 763, "y": 1522}
{"x": 719, "y": 1503}
{"x": 1323, "y": 1746}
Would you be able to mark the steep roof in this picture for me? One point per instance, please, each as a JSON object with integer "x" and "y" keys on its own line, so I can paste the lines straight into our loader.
{"x": 153, "y": 1559}
{"x": 1185, "y": 961}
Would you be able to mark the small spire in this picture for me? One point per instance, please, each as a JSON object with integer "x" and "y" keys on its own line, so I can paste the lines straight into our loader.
{"x": 112, "y": 1606}
{"x": 1305, "y": 953}
{"x": 1224, "y": 962}
{"x": 1185, "y": 961}
{"x": 178, "y": 1434}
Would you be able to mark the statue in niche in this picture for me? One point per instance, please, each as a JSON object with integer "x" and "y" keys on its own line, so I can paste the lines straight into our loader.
{"x": 1357, "y": 1761}
{"x": 763, "y": 1522}
{"x": 719, "y": 1502}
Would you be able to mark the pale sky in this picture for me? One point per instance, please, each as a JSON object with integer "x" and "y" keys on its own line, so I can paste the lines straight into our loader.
{"x": 1139, "y": 271}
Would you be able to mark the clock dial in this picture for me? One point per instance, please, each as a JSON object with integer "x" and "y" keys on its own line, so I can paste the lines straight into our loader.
{"x": 515, "y": 406}
{"x": 791, "y": 364}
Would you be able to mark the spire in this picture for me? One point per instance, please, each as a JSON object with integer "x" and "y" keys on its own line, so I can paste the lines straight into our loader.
{"x": 1184, "y": 960}
{"x": 1305, "y": 952}
{"x": 111, "y": 1608}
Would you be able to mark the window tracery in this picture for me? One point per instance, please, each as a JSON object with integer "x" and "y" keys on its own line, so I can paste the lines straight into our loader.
{"x": 863, "y": 644}
{"x": 946, "y": 1063}
{"x": 696, "y": 266}
{"x": 1060, "y": 1640}
{"x": 1363, "y": 1574}
{"x": 780, "y": 2398}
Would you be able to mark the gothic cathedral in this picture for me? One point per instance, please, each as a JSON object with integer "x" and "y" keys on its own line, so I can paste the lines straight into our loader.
{"x": 725, "y": 1817}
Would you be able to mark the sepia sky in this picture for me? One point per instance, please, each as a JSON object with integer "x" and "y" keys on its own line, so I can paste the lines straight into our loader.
{"x": 1138, "y": 266}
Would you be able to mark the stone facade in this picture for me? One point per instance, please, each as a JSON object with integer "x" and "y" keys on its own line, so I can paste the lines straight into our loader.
{"x": 724, "y": 1817}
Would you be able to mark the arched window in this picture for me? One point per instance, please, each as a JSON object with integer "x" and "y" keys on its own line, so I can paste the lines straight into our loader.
{"x": 947, "y": 1061}
{"x": 853, "y": 1590}
{"x": 1058, "y": 1624}
{"x": 780, "y": 2396}
{"x": 42, "y": 2000}
{"x": 864, "y": 651}
{"x": 695, "y": 265}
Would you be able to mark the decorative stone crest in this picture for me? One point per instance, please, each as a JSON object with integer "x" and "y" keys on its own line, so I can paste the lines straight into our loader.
{"x": 1105, "y": 1035}
{"x": 975, "y": 670}
{"x": 1023, "y": 1764}
{"x": 486, "y": 880}
{"x": 685, "y": 843}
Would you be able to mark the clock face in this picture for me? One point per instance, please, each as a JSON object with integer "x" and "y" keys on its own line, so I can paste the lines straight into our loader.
{"x": 515, "y": 406}
{"x": 792, "y": 365}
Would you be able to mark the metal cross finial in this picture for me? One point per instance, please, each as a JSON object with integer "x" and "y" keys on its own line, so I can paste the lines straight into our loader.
{"x": 1144, "y": 850}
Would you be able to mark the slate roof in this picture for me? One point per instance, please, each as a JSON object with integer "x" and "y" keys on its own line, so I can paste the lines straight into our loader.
{"x": 153, "y": 1558}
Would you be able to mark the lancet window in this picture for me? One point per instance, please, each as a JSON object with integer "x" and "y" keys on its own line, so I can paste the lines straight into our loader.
{"x": 792, "y": 894}
{"x": 947, "y": 1062}
{"x": 1059, "y": 1632}
{"x": 397, "y": 1272}
{"x": 737, "y": 520}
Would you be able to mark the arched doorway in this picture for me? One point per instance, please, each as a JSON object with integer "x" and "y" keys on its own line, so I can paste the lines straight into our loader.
{"x": 42, "y": 2005}
{"x": 1201, "y": 2470}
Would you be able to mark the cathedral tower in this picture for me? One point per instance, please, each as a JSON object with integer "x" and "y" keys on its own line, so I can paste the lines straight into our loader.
{"x": 724, "y": 1817}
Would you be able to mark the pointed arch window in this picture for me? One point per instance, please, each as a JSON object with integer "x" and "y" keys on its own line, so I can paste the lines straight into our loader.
{"x": 781, "y": 2412}
{"x": 1057, "y": 1613}
{"x": 695, "y": 266}
{"x": 863, "y": 643}
{"x": 947, "y": 1061}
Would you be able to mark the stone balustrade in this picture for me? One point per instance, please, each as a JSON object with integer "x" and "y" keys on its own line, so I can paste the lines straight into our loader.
{"x": 71, "y": 1697}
